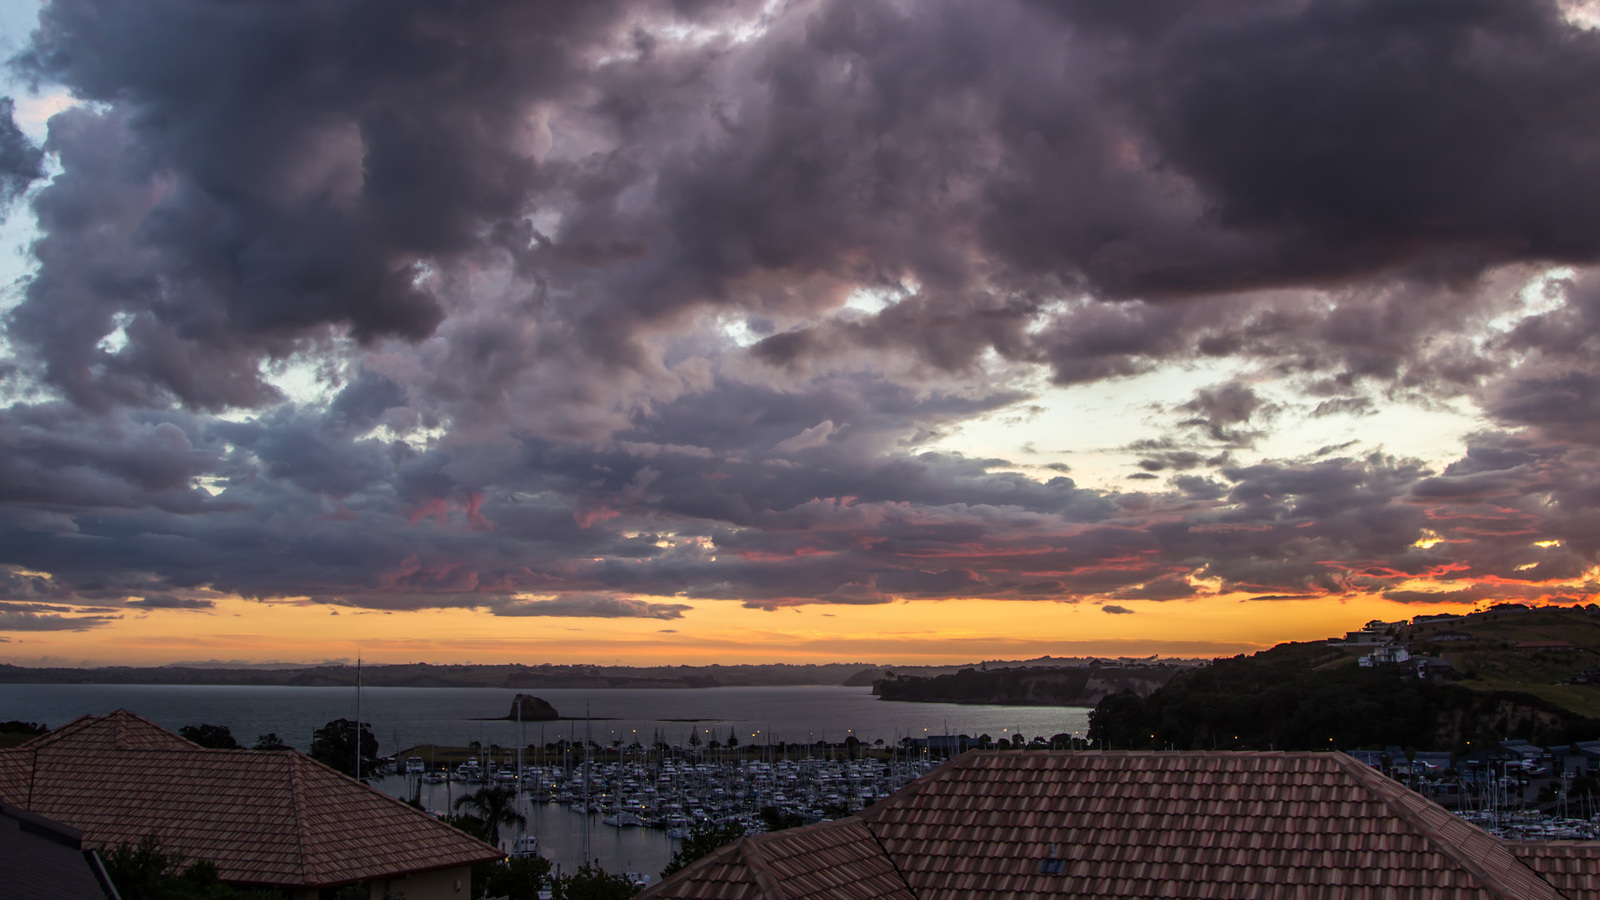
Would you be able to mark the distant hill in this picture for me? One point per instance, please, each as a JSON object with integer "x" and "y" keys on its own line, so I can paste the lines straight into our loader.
{"x": 1312, "y": 696}
{"x": 1026, "y": 685}
{"x": 424, "y": 675}
{"x": 517, "y": 677}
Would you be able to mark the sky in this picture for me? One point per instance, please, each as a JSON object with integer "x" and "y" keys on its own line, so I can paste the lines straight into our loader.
{"x": 656, "y": 331}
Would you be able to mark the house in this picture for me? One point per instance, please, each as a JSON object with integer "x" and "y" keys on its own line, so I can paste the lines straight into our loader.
{"x": 1589, "y": 675}
{"x": 1447, "y": 636}
{"x": 1142, "y": 824}
{"x": 1433, "y": 667}
{"x": 1361, "y": 639}
{"x": 44, "y": 860}
{"x": 265, "y": 818}
{"x": 1386, "y": 655}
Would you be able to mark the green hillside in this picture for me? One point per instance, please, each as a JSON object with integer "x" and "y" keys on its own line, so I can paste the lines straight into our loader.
{"x": 1492, "y": 661}
{"x": 1314, "y": 697}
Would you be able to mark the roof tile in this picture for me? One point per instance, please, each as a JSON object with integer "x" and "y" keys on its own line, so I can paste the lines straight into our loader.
{"x": 277, "y": 818}
{"x": 1244, "y": 826}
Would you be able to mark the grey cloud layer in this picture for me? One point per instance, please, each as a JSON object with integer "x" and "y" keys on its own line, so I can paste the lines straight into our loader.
{"x": 578, "y": 281}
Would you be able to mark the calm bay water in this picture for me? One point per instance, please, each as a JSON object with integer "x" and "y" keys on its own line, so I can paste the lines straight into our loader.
{"x": 406, "y": 717}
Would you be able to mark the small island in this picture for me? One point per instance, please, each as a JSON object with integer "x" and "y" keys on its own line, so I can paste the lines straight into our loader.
{"x": 528, "y": 708}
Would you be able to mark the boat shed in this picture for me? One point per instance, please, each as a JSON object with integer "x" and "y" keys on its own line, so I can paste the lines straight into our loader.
{"x": 1225, "y": 825}
{"x": 265, "y": 818}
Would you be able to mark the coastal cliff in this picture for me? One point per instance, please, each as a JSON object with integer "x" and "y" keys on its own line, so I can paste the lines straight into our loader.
{"x": 1033, "y": 686}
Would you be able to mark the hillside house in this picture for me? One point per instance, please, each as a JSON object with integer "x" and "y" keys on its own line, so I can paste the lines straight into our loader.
{"x": 1385, "y": 655}
{"x": 1361, "y": 639}
{"x": 265, "y": 818}
{"x": 1435, "y": 668}
{"x": 1244, "y": 826}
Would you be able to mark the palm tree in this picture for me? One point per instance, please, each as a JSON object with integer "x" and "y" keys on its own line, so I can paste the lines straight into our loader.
{"x": 495, "y": 806}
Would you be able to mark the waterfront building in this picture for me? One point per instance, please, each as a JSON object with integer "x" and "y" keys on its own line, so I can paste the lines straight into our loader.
{"x": 1246, "y": 826}
{"x": 264, "y": 818}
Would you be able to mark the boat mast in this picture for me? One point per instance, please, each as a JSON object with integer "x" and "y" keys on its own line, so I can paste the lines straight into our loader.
{"x": 358, "y": 715}
{"x": 520, "y": 827}
{"x": 587, "y": 740}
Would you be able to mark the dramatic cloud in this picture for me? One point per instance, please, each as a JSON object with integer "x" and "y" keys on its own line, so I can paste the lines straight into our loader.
{"x": 34, "y": 621}
{"x": 596, "y": 607}
{"x": 623, "y": 305}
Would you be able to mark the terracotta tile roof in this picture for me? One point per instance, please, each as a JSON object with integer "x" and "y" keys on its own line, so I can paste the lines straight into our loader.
{"x": 830, "y": 859}
{"x": 1572, "y": 866}
{"x": 277, "y": 818}
{"x": 1231, "y": 826}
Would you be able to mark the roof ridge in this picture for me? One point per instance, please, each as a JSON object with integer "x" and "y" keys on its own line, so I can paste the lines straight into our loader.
{"x": 893, "y": 863}
{"x": 1404, "y": 804}
{"x": 56, "y": 734}
{"x": 302, "y": 831}
{"x": 770, "y": 887}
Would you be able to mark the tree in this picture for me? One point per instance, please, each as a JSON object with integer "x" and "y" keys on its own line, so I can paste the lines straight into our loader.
{"x": 494, "y": 805}
{"x": 270, "y": 741}
{"x": 694, "y": 738}
{"x": 334, "y": 745}
{"x": 591, "y": 882}
{"x": 518, "y": 878}
{"x": 777, "y": 819}
{"x": 16, "y": 726}
{"x": 702, "y": 840}
{"x": 216, "y": 737}
{"x": 147, "y": 871}
{"x": 469, "y": 824}
{"x": 733, "y": 739}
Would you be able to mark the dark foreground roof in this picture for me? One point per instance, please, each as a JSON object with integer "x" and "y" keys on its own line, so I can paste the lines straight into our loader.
{"x": 44, "y": 860}
{"x": 1232, "y": 826}
{"x": 270, "y": 818}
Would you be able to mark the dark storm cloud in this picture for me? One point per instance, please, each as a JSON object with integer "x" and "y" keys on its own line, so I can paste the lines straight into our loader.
{"x": 31, "y": 621}
{"x": 1168, "y": 588}
{"x": 518, "y": 242}
{"x": 266, "y": 172}
{"x": 168, "y": 601}
{"x": 591, "y": 607}
{"x": 21, "y": 163}
{"x": 360, "y": 158}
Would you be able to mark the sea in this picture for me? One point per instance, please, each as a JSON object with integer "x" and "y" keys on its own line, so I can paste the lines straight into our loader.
{"x": 402, "y": 718}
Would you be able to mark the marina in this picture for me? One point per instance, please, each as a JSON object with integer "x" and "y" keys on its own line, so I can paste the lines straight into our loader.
{"x": 629, "y": 813}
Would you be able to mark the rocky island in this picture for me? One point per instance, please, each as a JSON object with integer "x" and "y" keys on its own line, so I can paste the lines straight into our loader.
{"x": 528, "y": 708}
